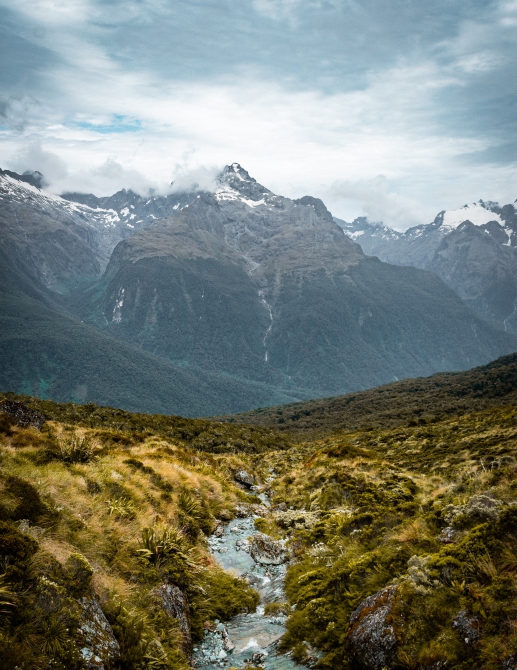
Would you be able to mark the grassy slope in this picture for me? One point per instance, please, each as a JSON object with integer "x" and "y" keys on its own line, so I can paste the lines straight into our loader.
{"x": 119, "y": 425}
{"x": 411, "y": 399}
{"x": 47, "y": 354}
{"x": 98, "y": 510}
{"x": 367, "y": 510}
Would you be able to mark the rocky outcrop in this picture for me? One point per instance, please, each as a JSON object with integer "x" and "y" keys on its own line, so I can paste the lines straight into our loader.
{"x": 175, "y": 604}
{"x": 267, "y": 551}
{"x": 22, "y": 415}
{"x": 371, "y": 637}
{"x": 98, "y": 646}
{"x": 297, "y": 518}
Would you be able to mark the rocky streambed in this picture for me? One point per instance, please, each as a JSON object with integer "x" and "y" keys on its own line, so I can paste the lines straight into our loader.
{"x": 248, "y": 639}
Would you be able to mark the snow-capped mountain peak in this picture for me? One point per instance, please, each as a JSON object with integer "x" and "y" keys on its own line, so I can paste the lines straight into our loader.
{"x": 235, "y": 184}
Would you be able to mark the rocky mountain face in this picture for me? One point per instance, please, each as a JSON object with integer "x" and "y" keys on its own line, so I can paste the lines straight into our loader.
{"x": 473, "y": 249}
{"x": 270, "y": 289}
{"x": 58, "y": 242}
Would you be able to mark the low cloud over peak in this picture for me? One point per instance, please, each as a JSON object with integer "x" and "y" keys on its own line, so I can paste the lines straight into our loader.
{"x": 306, "y": 94}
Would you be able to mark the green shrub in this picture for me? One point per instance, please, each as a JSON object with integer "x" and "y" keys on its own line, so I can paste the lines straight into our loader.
{"x": 80, "y": 572}
{"x": 73, "y": 449}
{"x": 218, "y": 595}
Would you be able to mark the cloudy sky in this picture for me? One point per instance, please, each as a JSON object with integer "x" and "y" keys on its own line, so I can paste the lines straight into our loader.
{"x": 394, "y": 109}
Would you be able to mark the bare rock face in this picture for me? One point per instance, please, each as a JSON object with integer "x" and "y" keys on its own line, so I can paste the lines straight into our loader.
{"x": 244, "y": 477}
{"x": 372, "y": 639}
{"x": 99, "y": 648}
{"x": 175, "y": 604}
{"x": 266, "y": 551}
{"x": 22, "y": 415}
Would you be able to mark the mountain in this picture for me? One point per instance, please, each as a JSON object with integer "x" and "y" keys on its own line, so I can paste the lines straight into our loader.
{"x": 417, "y": 401}
{"x": 256, "y": 285}
{"x": 58, "y": 242}
{"x": 473, "y": 249}
{"x": 48, "y": 245}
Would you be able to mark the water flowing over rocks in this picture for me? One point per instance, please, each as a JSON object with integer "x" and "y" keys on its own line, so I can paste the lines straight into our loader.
{"x": 248, "y": 638}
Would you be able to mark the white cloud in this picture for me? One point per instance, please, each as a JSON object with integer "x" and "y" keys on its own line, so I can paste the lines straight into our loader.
{"x": 332, "y": 142}
{"x": 34, "y": 157}
{"x": 379, "y": 203}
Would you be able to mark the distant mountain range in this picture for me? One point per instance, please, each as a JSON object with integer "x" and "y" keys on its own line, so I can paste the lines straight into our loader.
{"x": 210, "y": 303}
{"x": 473, "y": 249}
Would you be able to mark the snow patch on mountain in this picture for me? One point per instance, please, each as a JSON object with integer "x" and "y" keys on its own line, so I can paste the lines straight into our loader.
{"x": 477, "y": 213}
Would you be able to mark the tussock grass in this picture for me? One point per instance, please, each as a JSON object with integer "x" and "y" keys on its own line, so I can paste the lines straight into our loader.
{"x": 114, "y": 517}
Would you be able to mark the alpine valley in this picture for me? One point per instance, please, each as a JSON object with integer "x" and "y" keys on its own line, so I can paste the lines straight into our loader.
{"x": 217, "y": 302}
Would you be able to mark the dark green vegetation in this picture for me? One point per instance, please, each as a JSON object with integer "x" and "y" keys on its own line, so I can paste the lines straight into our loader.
{"x": 416, "y": 400}
{"x": 50, "y": 355}
{"x": 116, "y": 426}
{"x": 118, "y": 523}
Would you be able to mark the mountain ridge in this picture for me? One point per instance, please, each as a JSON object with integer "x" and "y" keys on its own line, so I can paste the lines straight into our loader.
{"x": 420, "y": 400}
{"x": 473, "y": 249}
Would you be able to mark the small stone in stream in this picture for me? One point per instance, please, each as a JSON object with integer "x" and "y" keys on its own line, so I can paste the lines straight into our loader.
{"x": 219, "y": 531}
{"x": 222, "y": 550}
{"x": 244, "y": 477}
{"x": 225, "y": 515}
{"x": 243, "y": 511}
{"x": 227, "y": 643}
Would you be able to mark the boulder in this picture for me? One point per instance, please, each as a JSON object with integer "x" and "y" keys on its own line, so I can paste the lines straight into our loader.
{"x": 266, "y": 551}
{"x": 244, "y": 477}
{"x": 175, "y": 604}
{"x": 98, "y": 645}
{"x": 371, "y": 636}
{"x": 22, "y": 415}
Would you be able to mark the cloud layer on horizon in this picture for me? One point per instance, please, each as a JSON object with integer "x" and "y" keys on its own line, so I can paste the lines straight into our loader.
{"x": 393, "y": 110}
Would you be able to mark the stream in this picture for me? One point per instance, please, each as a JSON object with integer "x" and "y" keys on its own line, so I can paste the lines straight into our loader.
{"x": 247, "y": 639}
